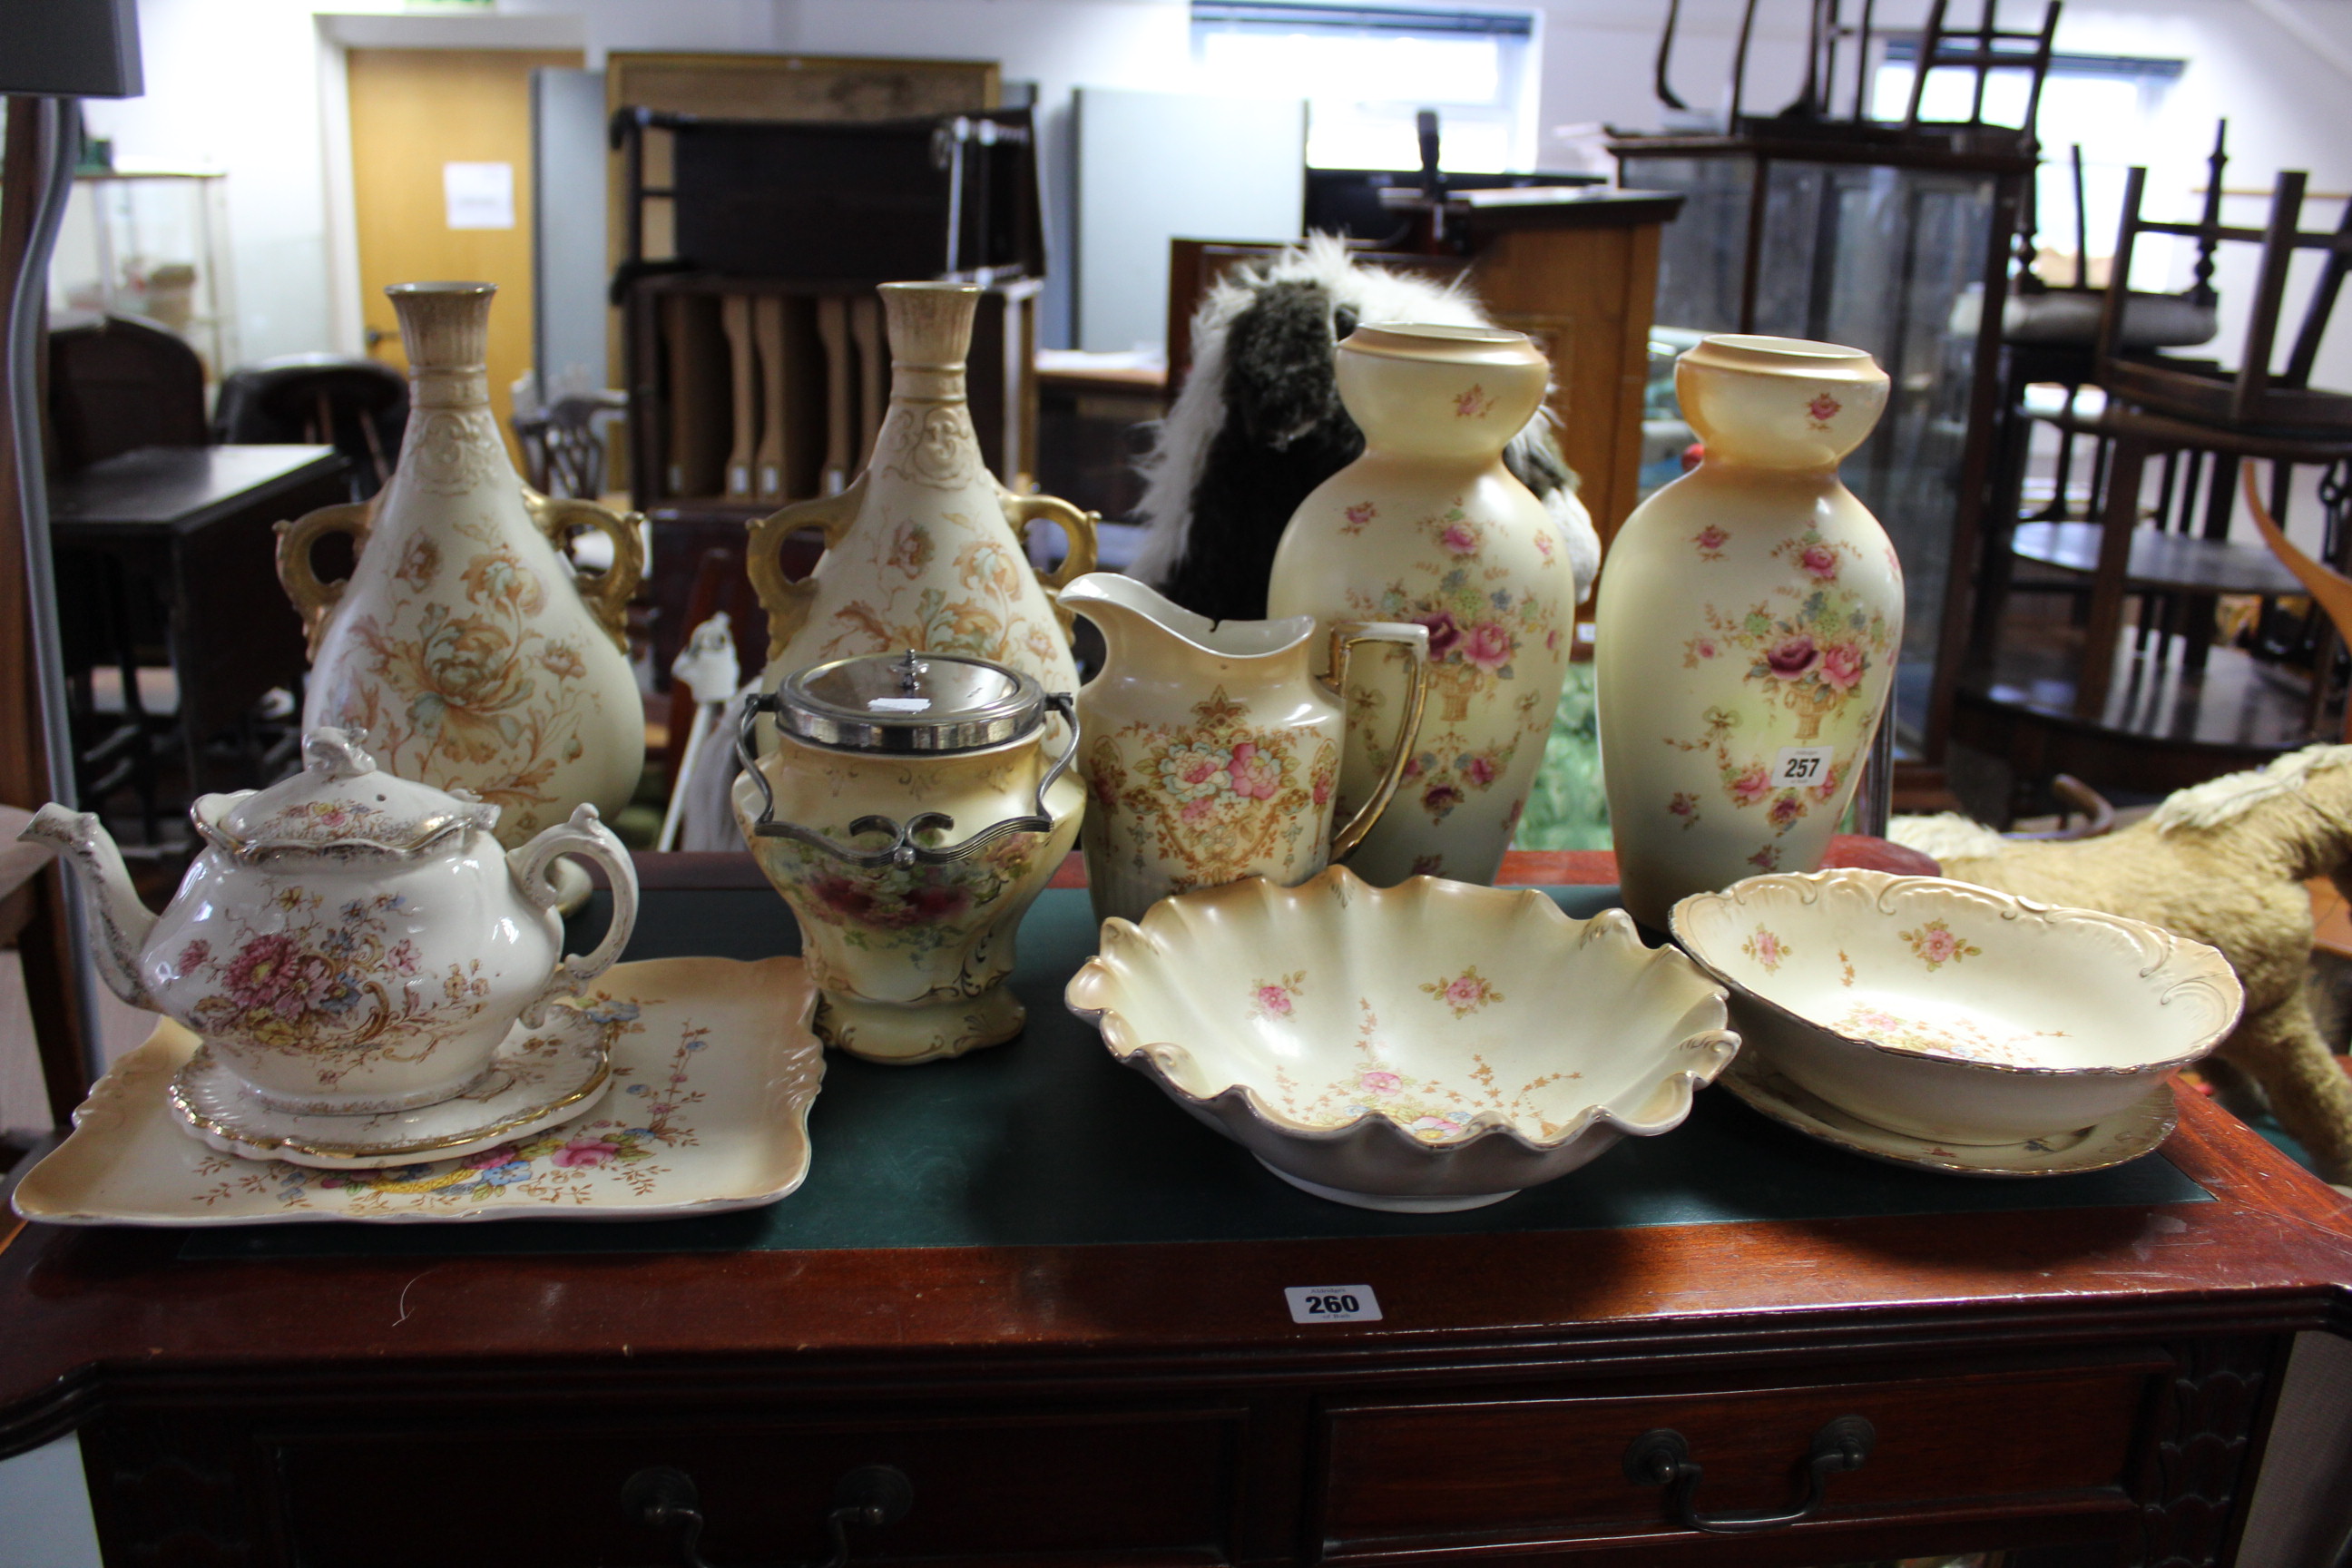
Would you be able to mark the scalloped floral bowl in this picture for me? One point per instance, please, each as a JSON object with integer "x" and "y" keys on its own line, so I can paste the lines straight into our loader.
{"x": 1952, "y": 1012}
{"x": 1430, "y": 1046}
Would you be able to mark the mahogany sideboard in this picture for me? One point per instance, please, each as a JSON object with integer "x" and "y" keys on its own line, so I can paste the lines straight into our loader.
{"x": 2071, "y": 1385}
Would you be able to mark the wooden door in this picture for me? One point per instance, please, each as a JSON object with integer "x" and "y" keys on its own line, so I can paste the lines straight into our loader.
{"x": 413, "y": 113}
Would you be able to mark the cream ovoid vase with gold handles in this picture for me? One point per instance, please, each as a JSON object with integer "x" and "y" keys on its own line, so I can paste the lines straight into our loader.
{"x": 1429, "y": 527}
{"x": 923, "y": 550}
{"x": 464, "y": 646}
{"x": 1748, "y": 618}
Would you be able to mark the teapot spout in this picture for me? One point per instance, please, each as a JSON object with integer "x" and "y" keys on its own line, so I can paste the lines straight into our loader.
{"x": 117, "y": 922}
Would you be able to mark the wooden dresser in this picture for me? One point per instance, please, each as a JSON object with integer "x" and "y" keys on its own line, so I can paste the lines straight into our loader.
{"x": 2085, "y": 1379}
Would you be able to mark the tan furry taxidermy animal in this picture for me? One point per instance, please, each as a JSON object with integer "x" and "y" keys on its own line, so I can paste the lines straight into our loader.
{"x": 2225, "y": 863}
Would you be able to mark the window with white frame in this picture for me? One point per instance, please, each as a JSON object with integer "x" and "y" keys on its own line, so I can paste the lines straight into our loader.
{"x": 1367, "y": 71}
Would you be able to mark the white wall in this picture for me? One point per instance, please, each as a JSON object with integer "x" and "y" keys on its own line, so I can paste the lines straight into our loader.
{"x": 236, "y": 84}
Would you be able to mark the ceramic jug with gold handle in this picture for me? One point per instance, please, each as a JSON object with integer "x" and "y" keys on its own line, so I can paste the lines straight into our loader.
{"x": 1212, "y": 748}
{"x": 462, "y": 644}
{"x": 923, "y": 551}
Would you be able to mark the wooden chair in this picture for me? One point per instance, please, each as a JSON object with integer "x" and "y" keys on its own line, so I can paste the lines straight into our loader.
{"x": 2161, "y": 406}
{"x": 119, "y": 383}
{"x": 356, "y": 405}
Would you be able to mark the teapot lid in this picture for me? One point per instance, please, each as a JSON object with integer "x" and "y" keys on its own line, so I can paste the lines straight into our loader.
{"x": 909, "y": 702}
{"x": 339, "y": 804}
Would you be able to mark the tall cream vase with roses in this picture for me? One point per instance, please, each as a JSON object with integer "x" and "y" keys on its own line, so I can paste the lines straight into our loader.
{"x": 464, "y": 647}
{"x": 1429, "y": 527}
{"x": 1748, "y": 618}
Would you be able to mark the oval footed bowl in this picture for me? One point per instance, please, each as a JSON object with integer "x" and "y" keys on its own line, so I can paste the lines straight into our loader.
{"x": 1952, "y": 1012}
{"x": 1429, "y": 1047}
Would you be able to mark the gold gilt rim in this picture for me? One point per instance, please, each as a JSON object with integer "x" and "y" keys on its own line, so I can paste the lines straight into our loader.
{"x": 203, "y": 1122}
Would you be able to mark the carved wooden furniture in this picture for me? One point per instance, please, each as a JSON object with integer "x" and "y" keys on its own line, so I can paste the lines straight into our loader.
{"x": 2080, "y": 1380}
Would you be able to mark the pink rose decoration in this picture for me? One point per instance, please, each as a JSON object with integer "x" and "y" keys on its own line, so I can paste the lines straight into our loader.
{"x": 1487, "y": 645}
{"x": 1481, "y": 771}
{"x": 1459, "y": 538}
{"x": 1793, "y": 658}
{"x": 1381, "y": 1082}
{"x": 1194, "y": 811}
{"x": 586, "y": 1151}
{"x": 1464, "y": 990}
{"x": 1201, "y": 770}
{"x": 1255, "y": 775}
{"x": 1710, "y": 538}
{"x": 194, "y": 955}
{"x": 1322, "y": 789}
{"x": 1841, "y": 666}
{"x": 490, "y": 1159}
{"x": 1828, "y": 785}
{"x": 1786, "y": 810}
{"x": 1753, "y": 786}
{"x": 1936, "y": 944}
{"x": 1445, "y": 633}
{"x": 1820, "y": 563}
{"x": 1274, "y": 999}
{"x": 1441, "y": 798}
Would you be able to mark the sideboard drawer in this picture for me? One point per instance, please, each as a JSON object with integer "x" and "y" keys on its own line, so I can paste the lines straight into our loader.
{"x": 1481, "y": 1473}
{"x": 1148, "y": 1486}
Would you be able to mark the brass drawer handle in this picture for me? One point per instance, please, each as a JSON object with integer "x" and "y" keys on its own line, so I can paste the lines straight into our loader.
{"x": 871, "y": 1495}
{"x": 1662, "y": 1458}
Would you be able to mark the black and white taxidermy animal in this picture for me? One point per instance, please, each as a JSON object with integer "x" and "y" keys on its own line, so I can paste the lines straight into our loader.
{"x": 1259, "y": 425}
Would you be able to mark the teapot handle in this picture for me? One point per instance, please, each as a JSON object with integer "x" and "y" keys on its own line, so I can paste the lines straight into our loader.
{"x": 608, "y": 593}
{"x": 312, "y": 599}
{"x": 1076, "y": 525}
{"x": 787, "y": 599}
{"x": 1344, "y": 636}
{"x": 590, "y": 839}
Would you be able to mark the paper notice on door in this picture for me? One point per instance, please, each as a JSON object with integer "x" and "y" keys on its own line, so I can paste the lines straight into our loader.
{"x": 478, "y": 196}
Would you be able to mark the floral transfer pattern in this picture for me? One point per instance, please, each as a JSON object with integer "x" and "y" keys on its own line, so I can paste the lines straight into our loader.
{"x": 469, "y": 689}
{"x": 1809, "y": 649}
{"x": 1430, "y": 1110}
{"x": 1822, "y": 410}
{"x": 339, "y": 987}
{"x": 977, "y": 607}
{"x": 1463, "y": 993}
{"x": 1482, "y": 628}
{"x": 914, "y": 909}
{"x": 1276, "y": 999}
{"x": 1934, "y": 943}
{"x": 617, "y": 1150}
{"x": 1212, "y": 801}
{"x": 1474, "y": 404}
{"x": 1960, "y": 1035}
{"x": 1767, "y": 949}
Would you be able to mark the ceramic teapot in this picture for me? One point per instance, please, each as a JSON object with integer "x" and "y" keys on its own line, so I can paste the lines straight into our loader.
{"x": 1213, "y": 749}
{"x": 877, "y": 760}
{"x": 347, "y": 941}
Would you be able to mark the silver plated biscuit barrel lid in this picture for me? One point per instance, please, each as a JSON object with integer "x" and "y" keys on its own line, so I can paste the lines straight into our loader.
{"x": 909, "y": 702}
{"x": 897, "y": 704}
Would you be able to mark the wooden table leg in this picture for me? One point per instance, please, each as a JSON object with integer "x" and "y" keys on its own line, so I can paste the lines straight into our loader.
{"x": 2118, "y": 519}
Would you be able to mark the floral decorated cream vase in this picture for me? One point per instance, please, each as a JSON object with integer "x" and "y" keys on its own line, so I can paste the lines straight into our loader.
{"x": 909, "y": 813}
{"x": 1748, "y": 617}
{"x": 924, "y": 549}
{"x": 1213, "y": 751}
{"x": 464, "y": 645}
{"x": 1429, "y": 527}
{"x": 347, "y": 941}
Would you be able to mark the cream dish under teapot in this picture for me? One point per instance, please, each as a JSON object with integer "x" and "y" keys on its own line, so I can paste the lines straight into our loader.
{"x": 356, "y": 947}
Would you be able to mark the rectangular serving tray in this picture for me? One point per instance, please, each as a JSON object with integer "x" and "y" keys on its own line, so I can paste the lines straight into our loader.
{"x": 709, "y": 1112}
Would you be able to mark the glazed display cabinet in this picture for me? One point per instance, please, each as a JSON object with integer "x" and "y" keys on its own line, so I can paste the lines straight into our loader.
{"x": 1895, "y": 246}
